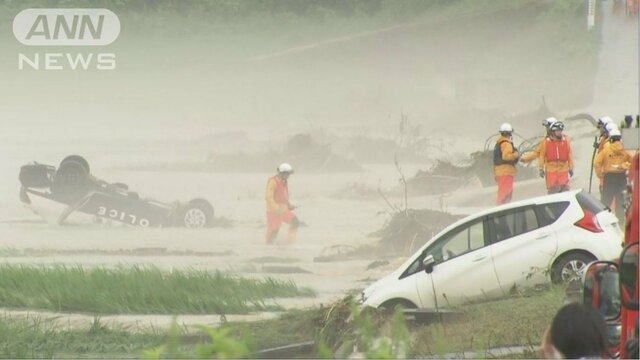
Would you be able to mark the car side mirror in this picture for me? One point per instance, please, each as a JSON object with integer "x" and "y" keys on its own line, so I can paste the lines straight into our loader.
{"x": 428, "y": 263}
{"x": 629, "y": 277}
{"x": 600, "y": 288}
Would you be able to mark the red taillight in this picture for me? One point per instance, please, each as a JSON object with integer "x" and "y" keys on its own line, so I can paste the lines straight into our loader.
{"x": 589, "y": 222}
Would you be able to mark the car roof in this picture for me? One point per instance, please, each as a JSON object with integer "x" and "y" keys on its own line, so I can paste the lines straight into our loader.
{"x": 544, "y": 199}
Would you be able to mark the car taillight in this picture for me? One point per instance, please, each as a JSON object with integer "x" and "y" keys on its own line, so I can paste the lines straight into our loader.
{"x": 589, "y": 222}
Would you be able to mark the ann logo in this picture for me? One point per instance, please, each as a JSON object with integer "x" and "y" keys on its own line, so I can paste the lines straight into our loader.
{"x": 68, "y": 31}
{"x": 66, "y": 27}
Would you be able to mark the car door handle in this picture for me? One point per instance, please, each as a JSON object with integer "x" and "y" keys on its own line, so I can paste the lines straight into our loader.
{"x": 479, "y": 258}
{"x": 542, "y": 236}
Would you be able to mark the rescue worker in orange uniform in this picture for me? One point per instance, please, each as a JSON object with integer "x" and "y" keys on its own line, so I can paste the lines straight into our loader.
{"x": 505, "y": 156}
{"x": 535, "y": 154}
{"x": 611, "y": 164}
{"x": 279, "y": 209}
{"x": 556, "y": 161}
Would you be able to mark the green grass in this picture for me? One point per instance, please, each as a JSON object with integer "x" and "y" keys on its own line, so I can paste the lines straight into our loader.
{"x": 513, "y": 321}
{"x": 518, "y": 320}
{"x": 34, "y": 337}
{"x": 138, "y": 290}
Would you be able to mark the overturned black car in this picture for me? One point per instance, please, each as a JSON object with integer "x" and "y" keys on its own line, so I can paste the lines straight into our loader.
{"x": 72, "y": 187}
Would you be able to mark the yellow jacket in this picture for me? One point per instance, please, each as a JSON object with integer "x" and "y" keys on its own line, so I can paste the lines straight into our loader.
{"x": 277, "y": 194}
{"x": 508, "y": 154}
{"x": 612, "y": 159}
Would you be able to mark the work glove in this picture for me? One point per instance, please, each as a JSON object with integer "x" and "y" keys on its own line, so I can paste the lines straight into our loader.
{"x": 570, "y": 172}
{"x": 541, "y": 173}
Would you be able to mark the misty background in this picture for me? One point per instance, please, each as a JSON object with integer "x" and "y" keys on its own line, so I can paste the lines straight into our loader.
{"x": 208, "y": 97}
{"x": 196, "y": 78}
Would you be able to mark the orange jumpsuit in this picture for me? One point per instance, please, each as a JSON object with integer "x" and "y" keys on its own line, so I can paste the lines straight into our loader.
{"x": 278, "y": 209}
{"x": 556, "y": 161}
{"x": 504, "y": 169}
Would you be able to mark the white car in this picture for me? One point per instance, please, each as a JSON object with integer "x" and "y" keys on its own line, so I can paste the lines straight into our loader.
{"x": 516, "y": 245}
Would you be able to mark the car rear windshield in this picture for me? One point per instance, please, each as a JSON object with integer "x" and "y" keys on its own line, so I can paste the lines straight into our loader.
{"x": 549, "y": 213}
{"x": 588, "y": 202}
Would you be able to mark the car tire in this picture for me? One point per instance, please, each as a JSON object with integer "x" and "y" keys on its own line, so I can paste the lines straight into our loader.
{"x": 197, "y": 214}
{"x": 78, "y": 159}
{"x": 391, "y": 305}
{"x": 71, "y": 181}
{"x": 570, "y": 267}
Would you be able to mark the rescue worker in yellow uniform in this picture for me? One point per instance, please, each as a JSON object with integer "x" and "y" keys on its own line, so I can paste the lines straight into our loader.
{"x": 279, "y": 209}
{"x": 505, "y": 156}
{"x": 556, "y": 161}
{"x": 602, "y": 124}
{"x": 535, "y": 154}
{"x": 611, "y": 164}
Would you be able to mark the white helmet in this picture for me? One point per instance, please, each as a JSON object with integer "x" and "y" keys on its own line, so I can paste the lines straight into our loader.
{"x": 506, "y": 127}
{"x": 549, "y": 121}
{"x": 611, "y": 127}
{"x": 603, "y": 121}
{"x": 614, "y": 131}
{"x": 285, "y": 168}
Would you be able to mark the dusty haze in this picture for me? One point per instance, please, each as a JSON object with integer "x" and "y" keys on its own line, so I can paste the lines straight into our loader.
{"x": 192, "y": 88}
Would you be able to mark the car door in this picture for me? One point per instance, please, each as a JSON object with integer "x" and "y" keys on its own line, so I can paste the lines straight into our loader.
{"x": 463, "y": 269}
{"x": 523, "y": 244}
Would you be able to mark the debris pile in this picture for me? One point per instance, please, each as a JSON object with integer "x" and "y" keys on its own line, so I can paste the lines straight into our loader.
{"x": 443, "y": 177}
{"x": 403, "y": 234}
{"x": 408, "y": 230}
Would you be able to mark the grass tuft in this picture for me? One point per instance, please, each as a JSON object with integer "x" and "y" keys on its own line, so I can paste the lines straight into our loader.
{"x": 138, "y": 290}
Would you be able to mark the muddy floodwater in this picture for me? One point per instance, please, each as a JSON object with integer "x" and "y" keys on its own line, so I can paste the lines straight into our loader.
{"x": 334, "y": 222}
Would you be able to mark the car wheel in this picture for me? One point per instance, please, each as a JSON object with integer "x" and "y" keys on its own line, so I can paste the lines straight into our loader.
{"x": 391, "y": 305}
{"x": 78, "y": 159}
{"x": 70, "y": 181}
{"x": 570, "y": 268}
{"x": 197, "y": 214}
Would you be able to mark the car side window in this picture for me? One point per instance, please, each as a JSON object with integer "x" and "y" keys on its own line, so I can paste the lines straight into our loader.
{"x": 514, "y": 223}
{"x": 549, "y": 213}
{"x": 458, "y": 242}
